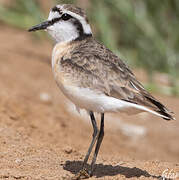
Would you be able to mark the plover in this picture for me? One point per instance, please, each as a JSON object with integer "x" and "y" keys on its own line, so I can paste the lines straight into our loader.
{"x": 91, "y": 75}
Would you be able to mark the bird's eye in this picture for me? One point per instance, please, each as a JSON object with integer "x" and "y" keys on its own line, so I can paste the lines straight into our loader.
{"x": 66, "y": 17}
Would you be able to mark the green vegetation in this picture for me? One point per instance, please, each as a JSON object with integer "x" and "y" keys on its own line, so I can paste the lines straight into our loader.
{"x": 146, "y": 32}
{"x": 22, "y": 13}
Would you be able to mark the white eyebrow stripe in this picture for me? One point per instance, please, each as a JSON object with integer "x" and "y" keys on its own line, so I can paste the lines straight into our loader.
{"x": 85, "y": 25}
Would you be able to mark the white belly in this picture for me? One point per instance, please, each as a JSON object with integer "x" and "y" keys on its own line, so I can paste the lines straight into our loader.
{"x": 85, "y": 98}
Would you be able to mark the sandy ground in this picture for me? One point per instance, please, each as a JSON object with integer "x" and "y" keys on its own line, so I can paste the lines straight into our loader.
{"x": 41, "y": 136}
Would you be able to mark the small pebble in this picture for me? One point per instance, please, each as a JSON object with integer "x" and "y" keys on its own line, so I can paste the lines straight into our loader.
{"x": 18, "y": 161}
{"x": 45, "y": 97}
{"x": 68, "y": 150}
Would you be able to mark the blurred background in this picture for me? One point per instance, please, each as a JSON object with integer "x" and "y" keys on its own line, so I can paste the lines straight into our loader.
{"x": 35, "y": 114}
{"x": 144, "y": 33}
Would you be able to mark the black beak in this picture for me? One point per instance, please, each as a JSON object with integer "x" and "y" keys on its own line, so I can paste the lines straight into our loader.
{"x": 41, "y": 26}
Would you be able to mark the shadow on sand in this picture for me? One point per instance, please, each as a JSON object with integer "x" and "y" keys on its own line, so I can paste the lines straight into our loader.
{"x": 107, "y": 170}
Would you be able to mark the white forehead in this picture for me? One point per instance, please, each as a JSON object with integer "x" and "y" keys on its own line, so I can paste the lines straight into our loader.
{"x": 53, "y": 15}
{"x": 82, "y": 20}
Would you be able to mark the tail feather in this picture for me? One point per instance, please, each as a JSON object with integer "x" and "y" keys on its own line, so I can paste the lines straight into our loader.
{"x": 162, "y": 109}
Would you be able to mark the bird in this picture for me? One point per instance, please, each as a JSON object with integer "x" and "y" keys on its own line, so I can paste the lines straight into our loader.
{"x": 91, "y": 76}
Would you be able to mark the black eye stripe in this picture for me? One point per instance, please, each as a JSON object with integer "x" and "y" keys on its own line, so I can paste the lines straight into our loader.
{"x": 53, "y": 21}
{"x": 66, "y": 17}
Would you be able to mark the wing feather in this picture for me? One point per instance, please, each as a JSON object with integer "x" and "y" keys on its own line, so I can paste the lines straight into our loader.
{"x": 100, "y": 69}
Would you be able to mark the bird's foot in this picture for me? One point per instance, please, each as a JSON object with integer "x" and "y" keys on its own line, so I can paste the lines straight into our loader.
{"x": 83, "y": 174}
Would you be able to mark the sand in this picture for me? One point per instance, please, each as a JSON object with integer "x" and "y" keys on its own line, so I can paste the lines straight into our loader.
{"x": 41, "y": 136}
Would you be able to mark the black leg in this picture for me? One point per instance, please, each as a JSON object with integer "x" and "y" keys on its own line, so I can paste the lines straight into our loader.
{"x": 95, "y": 135}
{"x": 98, "y": 144}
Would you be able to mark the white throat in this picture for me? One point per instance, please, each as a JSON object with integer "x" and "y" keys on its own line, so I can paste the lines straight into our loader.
{"x": 63, "y": 32}
{"x": 66, "y": 31}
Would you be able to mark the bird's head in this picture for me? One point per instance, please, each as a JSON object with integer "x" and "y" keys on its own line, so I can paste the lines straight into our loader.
{"x": 65, "y": 23}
